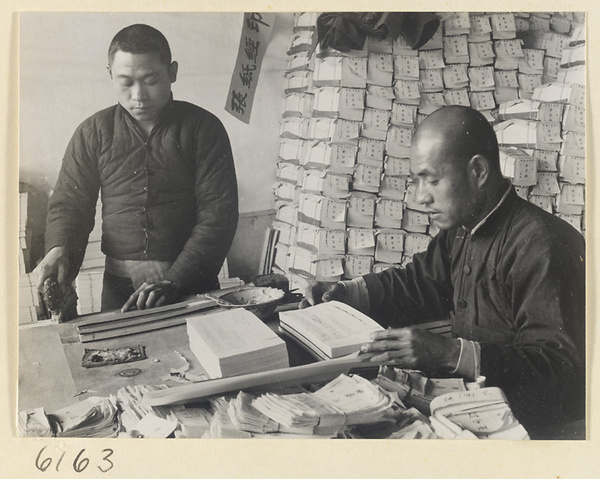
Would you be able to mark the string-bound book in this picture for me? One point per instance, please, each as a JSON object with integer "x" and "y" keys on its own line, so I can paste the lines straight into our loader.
{"x": 235, "y": 342}
{"x": 329, "y": 330}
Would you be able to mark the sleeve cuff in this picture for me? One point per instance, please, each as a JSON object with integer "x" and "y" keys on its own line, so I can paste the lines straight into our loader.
{"x": 357, "y": 294}
{"x": 469, "y": 360}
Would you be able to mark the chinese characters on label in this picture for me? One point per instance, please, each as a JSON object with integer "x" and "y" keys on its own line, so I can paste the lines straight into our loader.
{"x": 256, "y": 31}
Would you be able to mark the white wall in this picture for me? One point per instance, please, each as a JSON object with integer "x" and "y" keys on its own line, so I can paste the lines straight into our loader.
{"x": 63, "y": 80}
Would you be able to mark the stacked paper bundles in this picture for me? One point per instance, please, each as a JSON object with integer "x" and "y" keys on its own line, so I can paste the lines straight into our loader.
{"x": 32, "y": 211}
{"x": 344, "y": 401}
{"x": 30, "y": 305}
{"x": 235, "y": 342}
{"x": 89, "y": 280}
{"x": 353, "y": 122}
{"x": 32, "y": 218}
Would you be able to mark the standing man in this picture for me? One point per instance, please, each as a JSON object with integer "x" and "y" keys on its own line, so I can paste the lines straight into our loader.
{"x": 510, "y": 276}
{"x": 166, "y": 176}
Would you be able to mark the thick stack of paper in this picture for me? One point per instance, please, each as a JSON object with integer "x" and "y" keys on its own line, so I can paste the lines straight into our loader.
{"x": 89, "y": 280}
{"x": 220, "y": 423}
{"x": 344, "y": 401}
{"x": 246, "y": 417}
{"x": 94, "y": 417}
{"x": 329, "y": 330}
{"x": 417, "y": 390}
{"x": 89, "y": 291}
{"x": 235, "y": 342}
{"x": 30, "y": 305}
{"x": 483, "y": 412}
{"x": 32, "y": 218}
{"x": 129, "y": 401}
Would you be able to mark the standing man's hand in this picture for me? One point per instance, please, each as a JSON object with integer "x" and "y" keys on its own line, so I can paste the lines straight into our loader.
{"x": 149, "y": 295}
{"x": 55, "y": 263}
{"x": 415, "y": 349}
{"x": 320, "y": 292}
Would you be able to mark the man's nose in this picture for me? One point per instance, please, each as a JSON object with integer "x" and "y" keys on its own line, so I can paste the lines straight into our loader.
{"x": 138, "y": 93}
{"x": 423, "y": 196}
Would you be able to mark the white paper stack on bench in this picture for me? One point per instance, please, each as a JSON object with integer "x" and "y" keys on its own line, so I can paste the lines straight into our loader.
{"x": 235, "y": 342}
{"x": 484, "y": 412}
{"x": 344, "y": 401}
{"x": 329, "y": 330}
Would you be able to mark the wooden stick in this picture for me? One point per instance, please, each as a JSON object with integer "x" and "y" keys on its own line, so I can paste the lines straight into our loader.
{"x": 280, "y": 378}
{"x": 141, "y": 328}
{"x": 126, "y": 321}
{"x": 118, "y": 315}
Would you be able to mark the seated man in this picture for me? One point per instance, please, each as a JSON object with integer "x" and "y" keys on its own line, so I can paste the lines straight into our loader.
{"x": 166, "y": 175}
{"x": 510, "y": 276}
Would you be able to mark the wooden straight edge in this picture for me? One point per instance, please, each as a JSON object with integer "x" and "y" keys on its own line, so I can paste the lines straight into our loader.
{"x": 141, "y": 328}
{"x": 141, "y": 320}
{"x": 125, "y": 322}
{"x": 118, "y": 315}
{"x": 286, "y": 377}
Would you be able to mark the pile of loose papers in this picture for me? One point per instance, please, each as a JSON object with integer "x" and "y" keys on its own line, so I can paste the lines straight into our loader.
{"x": 344, "y": 401}
{"x": 94, "y": 417}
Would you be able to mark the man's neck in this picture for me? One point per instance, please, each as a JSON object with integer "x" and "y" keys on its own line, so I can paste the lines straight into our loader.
{"x": 497, "y": 193}
{"x": 146, "y": 126}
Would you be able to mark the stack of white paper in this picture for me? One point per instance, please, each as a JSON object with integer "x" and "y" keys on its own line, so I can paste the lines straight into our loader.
{"x": 517, "y": 165}
{"x": 235, "y": 342}
{"x": 340, "y": 71}
{"x": 484, "y": 412}
{"x": 390, "y": 246}
{"x": 357, "y": 265}
{"x": 361, "y": 210}
{"x": 94, "y": 417}
{"x": 361, "y": 241}
{"x": 314, "y": 266}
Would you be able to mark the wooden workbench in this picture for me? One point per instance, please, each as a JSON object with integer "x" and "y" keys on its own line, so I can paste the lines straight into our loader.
{"x": 51, "y": 374}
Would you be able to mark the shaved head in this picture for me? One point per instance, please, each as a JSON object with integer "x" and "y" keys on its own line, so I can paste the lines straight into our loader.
{"x": 462, "y": 132}
{"x": 454, "y": 163}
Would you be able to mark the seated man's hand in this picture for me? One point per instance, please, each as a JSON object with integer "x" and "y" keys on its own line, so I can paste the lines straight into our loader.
{"x": 414, "y": 349}
{"x": 320, "y": 292}
{"x": 149, "y": 295}
{"x": 55, "y": 263}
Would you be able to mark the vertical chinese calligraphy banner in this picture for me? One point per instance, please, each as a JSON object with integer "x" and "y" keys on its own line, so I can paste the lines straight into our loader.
{"x": 256, "y": 31}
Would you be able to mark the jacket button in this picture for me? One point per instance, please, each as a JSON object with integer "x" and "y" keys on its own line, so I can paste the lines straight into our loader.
{"x": 467, "y": 269}
{"x": 462, "y": 303}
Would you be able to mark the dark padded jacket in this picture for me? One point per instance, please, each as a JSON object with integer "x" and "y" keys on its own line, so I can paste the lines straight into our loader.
{"x": 171, "y": 196}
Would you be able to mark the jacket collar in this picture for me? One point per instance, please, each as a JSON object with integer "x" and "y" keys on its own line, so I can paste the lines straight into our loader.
{"x": 505, "y": 203}
{"x": 164, "y": 113}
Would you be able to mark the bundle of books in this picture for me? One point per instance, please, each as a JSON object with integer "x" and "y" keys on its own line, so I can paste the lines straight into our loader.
{"x": 235, "y": 342}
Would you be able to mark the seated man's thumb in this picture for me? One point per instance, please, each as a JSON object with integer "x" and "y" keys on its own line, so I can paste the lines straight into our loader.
{"x": 336, "y": 293}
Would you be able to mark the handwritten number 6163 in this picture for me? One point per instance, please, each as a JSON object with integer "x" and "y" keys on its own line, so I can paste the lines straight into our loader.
{"x": 80, "y": 463}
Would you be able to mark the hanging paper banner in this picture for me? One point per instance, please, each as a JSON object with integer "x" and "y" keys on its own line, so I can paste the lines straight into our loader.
{"x": 256, "y": 31}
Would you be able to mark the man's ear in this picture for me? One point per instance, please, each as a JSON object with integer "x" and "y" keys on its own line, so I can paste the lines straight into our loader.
{"x": 173, "y": 71}
{"x": 109, "y": 70}
{"x": 479, "y": 169}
